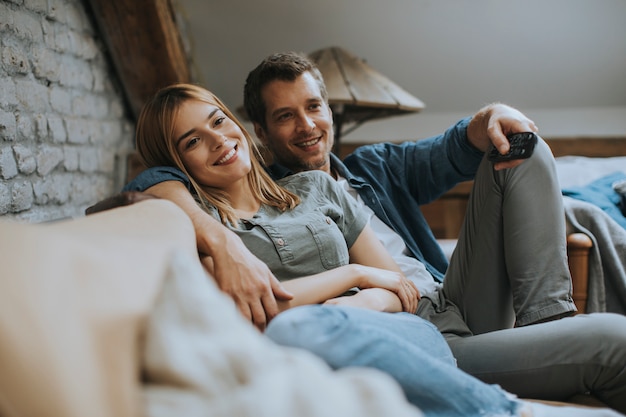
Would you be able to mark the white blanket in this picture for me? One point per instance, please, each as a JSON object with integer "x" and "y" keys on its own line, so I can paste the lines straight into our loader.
{"x": 202, "y": 359}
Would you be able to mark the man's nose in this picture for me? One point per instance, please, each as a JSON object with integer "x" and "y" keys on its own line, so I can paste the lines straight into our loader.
{"x": 305, "y": 123}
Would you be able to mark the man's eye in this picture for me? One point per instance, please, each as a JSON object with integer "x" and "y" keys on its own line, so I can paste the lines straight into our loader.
{"x": 315, "y": 106}
{"x": 283, "y": 116}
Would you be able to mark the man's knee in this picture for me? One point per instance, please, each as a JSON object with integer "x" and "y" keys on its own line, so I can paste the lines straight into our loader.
{"x": 607, "y": 330}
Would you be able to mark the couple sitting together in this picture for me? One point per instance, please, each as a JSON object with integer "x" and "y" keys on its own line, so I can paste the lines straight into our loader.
{"x": 335, "y": 257}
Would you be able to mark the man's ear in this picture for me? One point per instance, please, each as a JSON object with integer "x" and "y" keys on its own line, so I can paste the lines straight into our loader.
{"x": 260, "y": 133}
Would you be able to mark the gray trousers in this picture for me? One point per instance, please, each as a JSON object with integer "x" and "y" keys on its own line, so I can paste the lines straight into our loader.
{"x": 510, "y": 269}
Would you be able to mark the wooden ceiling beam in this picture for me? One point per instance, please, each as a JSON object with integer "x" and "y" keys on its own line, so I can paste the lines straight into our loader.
{"x": 144, "y": 44}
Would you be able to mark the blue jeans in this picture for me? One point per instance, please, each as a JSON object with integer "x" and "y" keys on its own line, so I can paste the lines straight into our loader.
{"x": 408, "y": 348}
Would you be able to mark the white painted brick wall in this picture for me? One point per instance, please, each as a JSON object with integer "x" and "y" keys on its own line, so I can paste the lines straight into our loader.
{"x": 64, "y": 129}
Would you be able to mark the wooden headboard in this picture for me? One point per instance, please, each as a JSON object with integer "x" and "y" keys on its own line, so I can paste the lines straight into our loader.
{"x": 585, "y": 146}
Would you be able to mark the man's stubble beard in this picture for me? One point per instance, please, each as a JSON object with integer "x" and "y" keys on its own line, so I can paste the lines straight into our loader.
{"x": 296, "y": 163}
{"x": 301, "y": 164}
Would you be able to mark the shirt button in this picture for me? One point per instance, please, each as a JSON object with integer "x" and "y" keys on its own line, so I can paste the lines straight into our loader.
{"x": 328, "y": 220}
{"x": 280, "y": 242}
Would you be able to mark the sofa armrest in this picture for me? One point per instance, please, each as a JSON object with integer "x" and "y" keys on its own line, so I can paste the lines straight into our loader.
{"x": 125, "y": 198}
{"x": 74, "y": 298}
{"x": 578, "y": 247}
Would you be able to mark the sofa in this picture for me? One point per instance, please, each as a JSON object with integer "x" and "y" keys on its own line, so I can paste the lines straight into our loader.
{"x": 112, "y": 314}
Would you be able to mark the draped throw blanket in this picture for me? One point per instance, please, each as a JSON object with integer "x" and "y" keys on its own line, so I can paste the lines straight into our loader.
{"x": 607, "y": 258}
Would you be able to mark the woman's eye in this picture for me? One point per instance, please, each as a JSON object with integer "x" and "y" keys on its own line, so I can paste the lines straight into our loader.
{"x": 219, "y": 120}
{"x": 191, "y": 142}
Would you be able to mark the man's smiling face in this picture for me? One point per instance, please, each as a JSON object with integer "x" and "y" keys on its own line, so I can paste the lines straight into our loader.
{"x": 299, "y": 124}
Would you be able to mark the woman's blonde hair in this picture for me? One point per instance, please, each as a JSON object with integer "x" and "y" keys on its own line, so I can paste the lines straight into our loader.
{"x": 155, "y": 144}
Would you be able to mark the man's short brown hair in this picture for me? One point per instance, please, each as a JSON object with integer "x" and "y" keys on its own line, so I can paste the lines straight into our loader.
{"x": 281, "y": 66}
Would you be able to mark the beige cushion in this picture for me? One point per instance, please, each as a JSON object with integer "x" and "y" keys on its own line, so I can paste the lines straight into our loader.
{"x": 74, "y": 296}
{"x": 202, "y": 359}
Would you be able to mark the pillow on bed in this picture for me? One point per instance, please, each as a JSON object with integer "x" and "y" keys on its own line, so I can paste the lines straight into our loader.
{"x": 575, "y": 170}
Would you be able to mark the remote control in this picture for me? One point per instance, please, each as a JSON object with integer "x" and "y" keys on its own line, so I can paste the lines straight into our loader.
{"x": 522, "y": 146}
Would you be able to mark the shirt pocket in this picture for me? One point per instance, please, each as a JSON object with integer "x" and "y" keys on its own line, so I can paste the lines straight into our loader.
{"x": 331, "y": 244}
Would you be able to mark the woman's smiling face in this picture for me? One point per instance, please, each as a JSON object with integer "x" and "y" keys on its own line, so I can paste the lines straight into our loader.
{"x": 211, "y": 146}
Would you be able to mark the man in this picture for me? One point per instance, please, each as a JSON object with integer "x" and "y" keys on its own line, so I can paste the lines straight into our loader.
{"x": 510, "y": 262}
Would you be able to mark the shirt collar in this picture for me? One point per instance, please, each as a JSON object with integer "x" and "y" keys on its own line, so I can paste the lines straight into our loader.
{"x": 278, "y": 171}
{"x": 337, "y": 165}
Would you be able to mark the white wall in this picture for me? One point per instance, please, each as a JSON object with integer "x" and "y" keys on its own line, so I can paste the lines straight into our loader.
{"x": 552, "y": 123}
{"x": 563, "y": 62}
{"x": 63, "y": 128}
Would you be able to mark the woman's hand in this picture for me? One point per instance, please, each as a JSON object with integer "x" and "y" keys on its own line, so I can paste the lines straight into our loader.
{"x": 376, "y": 299}
{"x": 395, "y": 282}
{"x": 381, "y": 270}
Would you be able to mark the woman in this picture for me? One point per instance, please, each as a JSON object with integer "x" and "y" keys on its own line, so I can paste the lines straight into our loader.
{"x": 232, "y": 185}
{"x": 313, "y": 238}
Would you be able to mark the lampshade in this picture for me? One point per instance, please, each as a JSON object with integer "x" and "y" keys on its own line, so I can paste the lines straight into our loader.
{"x": 358, "y": 93}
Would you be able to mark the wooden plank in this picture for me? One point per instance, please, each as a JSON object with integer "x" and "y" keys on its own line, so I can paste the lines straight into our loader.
{"x": 364, "y": 89}
{"x": 585, "y": 146}
{"x": 406, "y": 101}
{"x": 591, "y": 147}
{"x": 333, "y": 77}
{"x": 144, "y": 44}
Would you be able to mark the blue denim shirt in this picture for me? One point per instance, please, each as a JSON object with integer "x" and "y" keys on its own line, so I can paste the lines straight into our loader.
{"x": 393, "y": 180}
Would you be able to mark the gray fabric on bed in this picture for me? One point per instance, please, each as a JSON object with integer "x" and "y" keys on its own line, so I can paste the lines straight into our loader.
{"x": 607, "y": 273}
